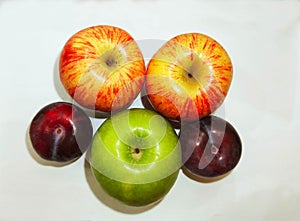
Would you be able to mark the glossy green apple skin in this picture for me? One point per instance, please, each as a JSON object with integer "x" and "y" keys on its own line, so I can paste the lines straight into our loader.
{"x": 137, "y": 194}
{"x": 136, "y": 156}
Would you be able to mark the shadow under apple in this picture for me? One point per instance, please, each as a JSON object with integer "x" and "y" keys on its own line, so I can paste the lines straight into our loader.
{"x": 202, "y": 179}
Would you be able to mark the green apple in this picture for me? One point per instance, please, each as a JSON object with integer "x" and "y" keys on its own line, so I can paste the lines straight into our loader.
{"x": 136, "y": 156}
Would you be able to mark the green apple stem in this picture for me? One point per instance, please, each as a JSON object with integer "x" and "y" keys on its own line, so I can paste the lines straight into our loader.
{"x": 136, "y": 153}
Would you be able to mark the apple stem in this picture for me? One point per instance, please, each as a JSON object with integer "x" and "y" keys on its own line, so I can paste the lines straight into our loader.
{"x": 190, "y": 75}
{"x": 214, "y": 150}
{"x": 110, "y": 62}
{"x": 58, "y": 130}
{"x": 137, "y": 150}
{"x": 136, "y": 153}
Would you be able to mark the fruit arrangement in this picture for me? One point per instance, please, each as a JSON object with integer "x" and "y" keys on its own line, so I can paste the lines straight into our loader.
{"x": 136, "y": 153}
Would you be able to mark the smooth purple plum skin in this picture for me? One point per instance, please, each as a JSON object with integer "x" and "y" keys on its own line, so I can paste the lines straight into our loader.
{"x": 214, "y": 142}
{"x": 60, "y": 132}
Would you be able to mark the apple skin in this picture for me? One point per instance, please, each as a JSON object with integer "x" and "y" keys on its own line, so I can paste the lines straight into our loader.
{"x": 60, "y": 132}
{"x": 136, "y": 156}
{"x": 188, "y": 77}
{"x": 136, "y": 195}
{"x": 211, "y": 148}
{"x": 102, "y": 68}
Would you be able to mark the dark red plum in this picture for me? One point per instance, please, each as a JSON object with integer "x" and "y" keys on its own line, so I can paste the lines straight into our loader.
{"x": 61, "y": 132}
{"x": 211, "y": 148}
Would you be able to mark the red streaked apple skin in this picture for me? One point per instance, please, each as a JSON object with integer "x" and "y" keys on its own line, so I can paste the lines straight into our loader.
{"x": 189, "y": 77}
{"x": 102, "y": 68}
{"x": 211, "y": 148}
{"x": 60, "y": 132}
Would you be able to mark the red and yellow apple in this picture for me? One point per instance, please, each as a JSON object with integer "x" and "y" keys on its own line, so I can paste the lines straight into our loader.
{"x": 188, "y": 77}
{"x": 102, "y": 68}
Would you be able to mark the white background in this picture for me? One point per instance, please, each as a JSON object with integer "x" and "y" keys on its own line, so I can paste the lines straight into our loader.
{"x": 263, "y": 40}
